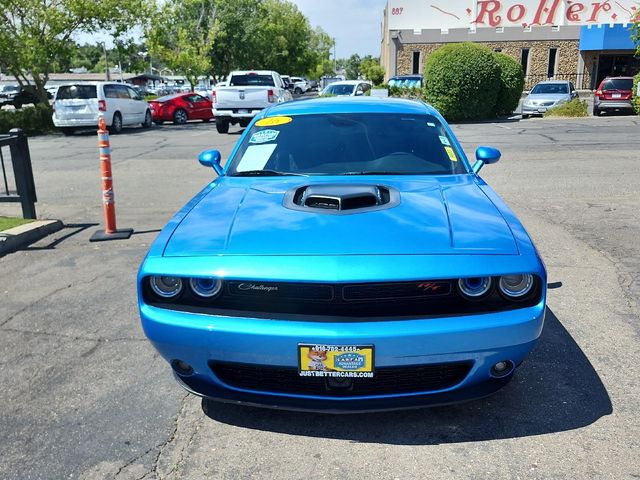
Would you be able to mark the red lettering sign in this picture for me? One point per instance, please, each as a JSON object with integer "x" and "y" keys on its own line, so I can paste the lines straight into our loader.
{"x": 574, "y": 10}
{"x": 516, "y": 12}
{"x": 489, "y": 8}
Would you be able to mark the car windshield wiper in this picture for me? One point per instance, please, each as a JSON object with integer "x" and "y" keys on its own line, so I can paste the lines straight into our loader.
{"x": 266, "y": 173}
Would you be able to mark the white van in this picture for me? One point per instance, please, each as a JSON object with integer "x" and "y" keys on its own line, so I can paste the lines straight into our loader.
{"x": 77, "y": 105}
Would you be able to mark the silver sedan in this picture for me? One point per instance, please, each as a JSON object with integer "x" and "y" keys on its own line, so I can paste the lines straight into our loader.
{"x": 546, "y": 95}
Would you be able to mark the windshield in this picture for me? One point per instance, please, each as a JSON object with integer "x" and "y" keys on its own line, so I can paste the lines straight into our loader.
{"x": 339, "y": 89}
{"x": 347, "y": 144}
{"x": 166, "y": 98}
{"x": 551, "y": 88}
{"x": 618, "y": 84}
{"x": 250, "y": 80}
{"x": 11, "y": 88}
{"x": 405, "y": 82}
{"x": 76, "y": 92}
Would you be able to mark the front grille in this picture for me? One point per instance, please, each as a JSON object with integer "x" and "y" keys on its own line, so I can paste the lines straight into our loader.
{"x": 341, "y": 302}
{"x": 386, "y": 381}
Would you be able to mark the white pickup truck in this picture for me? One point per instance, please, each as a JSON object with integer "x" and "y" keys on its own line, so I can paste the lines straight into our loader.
{"x": 247, "y": 92}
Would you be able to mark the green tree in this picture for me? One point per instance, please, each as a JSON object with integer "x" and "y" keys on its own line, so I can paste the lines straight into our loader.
{"x": 35, "y": 34}
{"x": 371, "y": 69}
{"x": 351, "y": 66}
{"x": 181, "y": 34}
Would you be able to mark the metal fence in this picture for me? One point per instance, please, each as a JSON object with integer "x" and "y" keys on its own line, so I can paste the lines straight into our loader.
{"x": 17, "y": 183}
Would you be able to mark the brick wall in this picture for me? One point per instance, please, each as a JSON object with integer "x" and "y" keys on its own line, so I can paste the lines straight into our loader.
{"x": 566, "y": 63}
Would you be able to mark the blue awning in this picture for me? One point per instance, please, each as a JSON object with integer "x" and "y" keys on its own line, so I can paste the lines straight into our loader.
{"x": 606, "y": 37}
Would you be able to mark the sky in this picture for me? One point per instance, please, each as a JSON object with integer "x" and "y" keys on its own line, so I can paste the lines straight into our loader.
{"x": 355, "y": 24}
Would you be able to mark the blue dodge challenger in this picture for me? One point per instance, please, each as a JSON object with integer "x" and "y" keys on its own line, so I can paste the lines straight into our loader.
{"x": 347, "y": 257}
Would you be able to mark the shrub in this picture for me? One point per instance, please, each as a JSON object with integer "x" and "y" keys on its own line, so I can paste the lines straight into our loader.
{"x": 636, "y": 97}
{"x": 511, "y": 84}
{"x": 33, "y": 120}
{"x": 462, "y": 81}
{"x": 574, "y": 108}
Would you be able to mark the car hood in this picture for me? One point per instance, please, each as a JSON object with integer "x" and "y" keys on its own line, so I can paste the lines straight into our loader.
{"x": 542, "y": 97}
{"x": 437, "y": 215}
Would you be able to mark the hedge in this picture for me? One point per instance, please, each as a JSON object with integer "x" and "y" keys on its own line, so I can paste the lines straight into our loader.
{"x": 33, "y": 120}
{"x": 511, "y": 84}
{"x": 574, "y": 108}
{"x": 462, "y": 81}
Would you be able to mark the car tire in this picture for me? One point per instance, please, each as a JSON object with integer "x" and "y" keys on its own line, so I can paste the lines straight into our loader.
{"x": 222, "y": 126}
{"x": 148, "y": 120}
{"x": 596, "y": 112}
{"x": 244, "y": 123}
{"x": 524, "y": 116}
{"x": 180, "y": 117}
{"x": 298, "y": 91}
{"x": 116, "y": 124}
{"x": 68, "y": 131}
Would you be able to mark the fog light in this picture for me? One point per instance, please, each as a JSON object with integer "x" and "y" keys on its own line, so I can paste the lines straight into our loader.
{"x": 182, "y": 368}
{"x": 502, "y": 368}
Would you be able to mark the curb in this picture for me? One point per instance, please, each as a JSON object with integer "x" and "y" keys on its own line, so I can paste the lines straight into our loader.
{"x": 19, "y": 237}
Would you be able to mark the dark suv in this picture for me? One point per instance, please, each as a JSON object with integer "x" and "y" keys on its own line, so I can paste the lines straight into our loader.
{"x": 614, "y": 94}
{"x": 19, "y": 97}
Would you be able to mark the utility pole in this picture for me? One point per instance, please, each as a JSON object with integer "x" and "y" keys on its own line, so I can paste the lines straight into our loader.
{"x": 335, "y": 60}
{"x": 106, "y": 61}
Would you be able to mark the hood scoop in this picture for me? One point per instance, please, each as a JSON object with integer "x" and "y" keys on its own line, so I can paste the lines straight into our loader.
{"x": 341, "y": 199}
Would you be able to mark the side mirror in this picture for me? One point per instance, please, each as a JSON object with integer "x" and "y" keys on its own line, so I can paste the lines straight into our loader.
{"x": 486, "y": 155}
{"x": 211, "y": 158}
{"x": 359, "y": 93}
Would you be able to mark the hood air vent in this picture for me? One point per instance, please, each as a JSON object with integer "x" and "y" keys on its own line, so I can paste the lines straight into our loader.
{"x": 341, "y": 198}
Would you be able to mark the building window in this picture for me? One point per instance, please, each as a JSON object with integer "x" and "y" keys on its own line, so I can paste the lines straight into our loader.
{"x": 524, "y": 60}
{"x": 416, "y": 63}
{"x": 553, "y": 54}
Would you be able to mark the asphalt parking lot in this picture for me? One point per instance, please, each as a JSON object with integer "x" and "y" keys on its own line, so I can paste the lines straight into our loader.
{"x": 84, "y": 395}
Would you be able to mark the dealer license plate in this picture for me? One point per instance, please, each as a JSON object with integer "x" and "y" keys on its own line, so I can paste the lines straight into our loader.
{"x": 316, "y": 360}
{"x": 542, "y": 109}
{"x": 616, "y": 95}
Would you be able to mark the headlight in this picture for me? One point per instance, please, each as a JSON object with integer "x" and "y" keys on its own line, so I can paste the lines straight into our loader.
{"x": 206, "y": 287}
{"x": 166, "y": 287}
{"x": 516, "y": 286}
{"x": 474, "y": 288}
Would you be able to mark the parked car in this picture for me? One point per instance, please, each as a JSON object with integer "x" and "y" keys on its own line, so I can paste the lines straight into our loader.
{"x": 313, "y": 85}
{"x": 51, "y": 90}
{"x": 352, "y": 88}
{"x": 300, "y": 85}
{"x": 77, "y": 105}
{"x": 248, "y": 92}
{"x": 406, "y": 81}
{"x": 614, "y": 94}
{"x": 288, "y": 84}
{"x": 180, "y": 108}
{"x": 19, "y": 96}
{"x": 364, "y": 267}
{"x": 546, "y": 95}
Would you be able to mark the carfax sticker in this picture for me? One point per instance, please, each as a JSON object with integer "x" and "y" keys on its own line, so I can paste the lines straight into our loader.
{"x": 264, "y": 136}
{"x": 444, "y": 140}
{"x": 273, "y": 121}
{"x": 451, "y": 153}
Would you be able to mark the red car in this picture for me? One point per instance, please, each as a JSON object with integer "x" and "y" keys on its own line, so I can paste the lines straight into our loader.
{"x": 614, "y": 94}
{"x": 180, "y": 108}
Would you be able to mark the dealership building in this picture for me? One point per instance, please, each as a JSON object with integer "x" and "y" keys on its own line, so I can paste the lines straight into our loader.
{"x": 582, "y": 41}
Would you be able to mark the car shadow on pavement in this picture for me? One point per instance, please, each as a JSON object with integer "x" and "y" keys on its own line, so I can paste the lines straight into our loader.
{"x": 556, "y": 389}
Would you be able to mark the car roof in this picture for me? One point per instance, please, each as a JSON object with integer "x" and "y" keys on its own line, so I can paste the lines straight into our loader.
{"x": 347, "y": 82}
{"x": 416, "y": 75}
{"x": 553, "y": 81}
{"x": 351, "y": 105}
{"x": 257, "y": 72}
{"x": 621, "y": 78}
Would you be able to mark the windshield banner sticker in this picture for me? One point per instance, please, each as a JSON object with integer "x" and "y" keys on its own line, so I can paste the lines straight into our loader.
{"x": 273, "y": 121}
{"x": 264, "y": 136}
{"x": 444, "y": 140}
{"x": 451, "y": 153}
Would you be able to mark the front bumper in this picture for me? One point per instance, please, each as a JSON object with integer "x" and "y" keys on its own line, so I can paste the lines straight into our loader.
{"x": 535, "y": 109}
{"x": 482, "y": 340}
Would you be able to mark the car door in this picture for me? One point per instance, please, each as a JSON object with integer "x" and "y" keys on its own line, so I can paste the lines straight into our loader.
{"x": 138, "y": 105}
{"x": 201, "y": 106}
{"x": 193, "y": 106}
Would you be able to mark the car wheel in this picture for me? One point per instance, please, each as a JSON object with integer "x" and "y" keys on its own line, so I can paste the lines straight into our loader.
{"x": 298, "y": 91}
{"x": 67, "y": 131}
{"x": 116, "y": 124}
{"x": 180, "y": 117}
{"x": 222, "y": 126}
{"x": 524, "y": 115}
{"x": 596, "y": 112}
{"x": 148, "y": 120}
{"x": 244, "y": 123}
